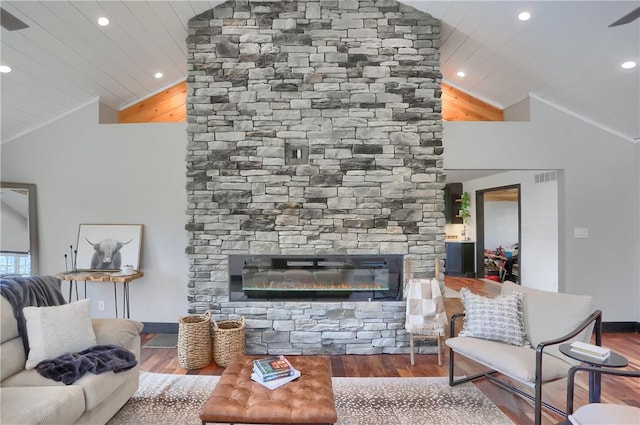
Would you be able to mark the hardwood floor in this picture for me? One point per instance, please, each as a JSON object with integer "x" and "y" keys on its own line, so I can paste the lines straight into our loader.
{"x": 614, "y": 389}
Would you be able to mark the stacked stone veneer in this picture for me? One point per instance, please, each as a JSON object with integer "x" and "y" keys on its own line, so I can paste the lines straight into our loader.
{"x": 355, "y": 85}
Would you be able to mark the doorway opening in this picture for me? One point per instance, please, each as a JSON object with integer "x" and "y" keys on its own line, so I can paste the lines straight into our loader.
{"x": 498, "y": 233}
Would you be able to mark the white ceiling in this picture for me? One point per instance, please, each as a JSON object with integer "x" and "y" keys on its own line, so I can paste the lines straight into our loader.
{"x": 565, "y": 55}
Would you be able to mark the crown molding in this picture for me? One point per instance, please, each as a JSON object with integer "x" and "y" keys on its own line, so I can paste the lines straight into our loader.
{"x": 583, "y": 119}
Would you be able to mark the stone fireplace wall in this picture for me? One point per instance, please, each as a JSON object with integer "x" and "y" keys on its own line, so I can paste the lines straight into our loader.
{"x": 314, "y": 128}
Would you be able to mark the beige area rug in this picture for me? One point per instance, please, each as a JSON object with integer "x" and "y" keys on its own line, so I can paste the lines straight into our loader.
{"x": 176, "y": 399}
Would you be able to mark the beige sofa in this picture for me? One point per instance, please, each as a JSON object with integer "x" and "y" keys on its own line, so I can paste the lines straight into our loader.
{"x": 28, "y": 398}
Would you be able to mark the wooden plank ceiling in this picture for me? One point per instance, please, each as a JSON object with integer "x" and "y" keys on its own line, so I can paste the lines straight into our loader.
{"x": 502, "y": 195}
{"x": 169, "y": 106}
{"x": 166, "y": 106}
{"x": 460, "y": 106}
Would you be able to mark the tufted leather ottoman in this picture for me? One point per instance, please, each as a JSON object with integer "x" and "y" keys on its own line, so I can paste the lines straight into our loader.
{"x": 238, "y": 399}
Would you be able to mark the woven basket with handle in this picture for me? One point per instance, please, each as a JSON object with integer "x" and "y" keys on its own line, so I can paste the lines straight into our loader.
{"x": 228, "y": 340}
{"x": 194, "y": 341}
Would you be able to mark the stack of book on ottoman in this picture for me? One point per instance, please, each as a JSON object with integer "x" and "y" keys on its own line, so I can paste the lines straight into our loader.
{"x": 273, "y": 372}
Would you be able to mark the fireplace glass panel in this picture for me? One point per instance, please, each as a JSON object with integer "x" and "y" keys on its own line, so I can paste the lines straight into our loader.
{"x": 340, "y": 276}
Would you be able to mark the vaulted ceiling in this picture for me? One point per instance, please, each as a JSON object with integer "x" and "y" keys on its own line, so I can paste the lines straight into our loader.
{"x": 565, "y": 55}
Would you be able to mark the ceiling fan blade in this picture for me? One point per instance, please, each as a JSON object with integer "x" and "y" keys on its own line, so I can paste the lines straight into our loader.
{"x": 10, "y": 22}
{"x": 629, "y": 17}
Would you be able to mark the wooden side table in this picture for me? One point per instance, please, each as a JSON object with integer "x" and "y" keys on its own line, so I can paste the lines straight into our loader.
{"x": 107, "y": 276}
{"x": 614, "y": 360}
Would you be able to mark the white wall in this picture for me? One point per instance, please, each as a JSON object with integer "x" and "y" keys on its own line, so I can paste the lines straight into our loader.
{"x": 598, "y": 170}
{"x": 500, "y": 224}
{"x": 135, "y": 173}
{"x": 127, "y": 174}
{"x": 520, "y": 111}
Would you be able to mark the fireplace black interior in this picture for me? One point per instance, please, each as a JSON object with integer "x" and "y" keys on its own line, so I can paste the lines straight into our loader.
{"x": 353, "y": 277}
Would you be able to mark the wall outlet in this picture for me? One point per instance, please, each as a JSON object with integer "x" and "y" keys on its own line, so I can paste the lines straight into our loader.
{"x": 101, "y": 305}
{"x": 580, "y": 232}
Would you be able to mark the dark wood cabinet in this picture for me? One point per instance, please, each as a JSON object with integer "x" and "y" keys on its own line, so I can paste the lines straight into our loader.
{"x": 460, "y": 259}
{"x": 452, "y": 202}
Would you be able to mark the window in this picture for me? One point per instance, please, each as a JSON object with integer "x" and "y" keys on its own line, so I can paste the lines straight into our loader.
{"x": 15, "y": 263}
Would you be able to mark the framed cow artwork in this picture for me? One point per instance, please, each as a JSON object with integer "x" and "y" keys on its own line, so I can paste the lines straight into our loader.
{"x": 108, "y": 247}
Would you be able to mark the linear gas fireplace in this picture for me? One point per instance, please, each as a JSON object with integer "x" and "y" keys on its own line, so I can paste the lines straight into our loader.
{"x": 353, "y": 277}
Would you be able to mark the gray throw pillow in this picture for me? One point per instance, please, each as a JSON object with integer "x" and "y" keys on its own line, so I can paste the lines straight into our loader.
{"x": 498, "y": 319}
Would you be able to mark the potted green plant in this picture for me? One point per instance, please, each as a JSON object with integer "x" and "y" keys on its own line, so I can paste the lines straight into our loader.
{"x": 465, "y": 203}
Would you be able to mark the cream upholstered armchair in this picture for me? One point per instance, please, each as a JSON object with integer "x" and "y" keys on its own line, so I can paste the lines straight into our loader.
{"x": 426, "y": 315}
{"x": 600, "y": 413}
{"x": 518, "y": 334}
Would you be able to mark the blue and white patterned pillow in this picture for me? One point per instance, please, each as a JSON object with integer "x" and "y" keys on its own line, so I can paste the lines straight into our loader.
{"x": 498, "y": 319}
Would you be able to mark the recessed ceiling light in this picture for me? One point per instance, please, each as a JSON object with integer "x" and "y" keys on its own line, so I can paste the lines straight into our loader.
{"x": 4, "y": 69}
{"x": 628, "y": 65}
{"x": 461, "y": 74}
{"x": 158, "y": 75}
{"x": 103, "y": 21}
{"x": 524, "y": 16}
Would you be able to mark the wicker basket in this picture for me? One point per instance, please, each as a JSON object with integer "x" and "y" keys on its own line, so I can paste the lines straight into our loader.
{"x": 194, "y": 341}
{"x": 228, "y": 340}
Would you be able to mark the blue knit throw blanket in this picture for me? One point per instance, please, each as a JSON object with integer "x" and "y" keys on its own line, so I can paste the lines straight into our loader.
{"x": 70, "y": 367}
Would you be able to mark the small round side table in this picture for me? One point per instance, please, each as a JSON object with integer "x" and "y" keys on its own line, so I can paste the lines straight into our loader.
{"x": 614, "y": 360}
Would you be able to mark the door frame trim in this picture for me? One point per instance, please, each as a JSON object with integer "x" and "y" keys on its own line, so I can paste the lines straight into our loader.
{"x": 480, "y": 228}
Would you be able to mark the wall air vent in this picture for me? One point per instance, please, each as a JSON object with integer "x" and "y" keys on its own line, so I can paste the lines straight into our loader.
{"x": 547, "y": 176}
